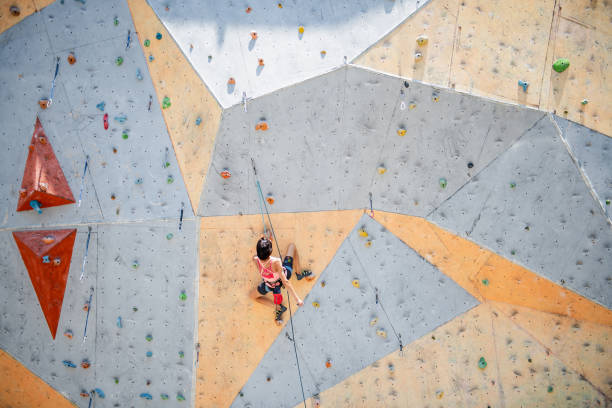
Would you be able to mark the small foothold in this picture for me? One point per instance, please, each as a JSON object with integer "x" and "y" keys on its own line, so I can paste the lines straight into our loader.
{"x": 84, "y": 394}
{"x": 524, "y": 85}
{"x": 45, "y": 259}
{"x": 169, "y": 236}
{"x": 301, "y": 29}
{"x": 513, "y": 185}
{"x": 253, "y": 35}
{"x": 85, "y": 364}
{"x": 421, "y": 40}
{"x": 363, "y": 233}
{"x": 100, "y": 393}
{"x": 116, "y": 379}
{"x": 49, "y": 239}
{"x": 181, "y": 354}
{"x": 561, "y": 64}
{"x": 470, "y": 165}
{"x": 149, "y": 354}
{"x": 381, "y": 333}
{"x": 584, "y": 101}
{"x": 485, "y": 282}
{"x": 164, "y": 396}
{"x": 166, "y": 103}
{"x": 368, "y": 244}
{"x": 116, "y": 21}
{"x": 412, "y": 105}
{"x": 57, "y": 261}
{"x": 315, "y": 305}
{"x": 23, "y": 191}
{"x": 248, "y": 10}
{"x": 322, "y": 284}
{"x": 513, "y": 252}
{"x": 439, "y": 394}
{"x": 146, "y": 395}
{"x": 401, "y": 132}
{"x": 180, "y": 397}
{"x": 135, "y": 265}
{"x": 36, "y": 205}
{"x": 608, "y": 202}
{"x": 231, "y": 81}
{"x": 151, "y": 58}
{"x": 381, "y": 169}
{"x": 101, "y": 106}
{"x": 418, "y": 56}
{"x": 263, "y": 126}
{"x": 323, "y": 53}
{"x": 71, "y": 58}
{"x": 149, "y": 337}
{"x": 443, "y": 183}
{"x": 147, "y": 42}
{"x": 69, "y": 364}
{"x": 482, "y": 363}
{"x": 119, "y": 61}
{"x": 119, "y": 322}
{"x": 225, "y": 174}
{"x": 42, "y": 140}
{"x": 374, "y": 321}
{"x": 436, "y": 98}
{"x": 170, "y": 179}
{"x": 15, "y": 11}
{"x": 43, "y": 103}
{"x": 125, "y": 135}
{"x": 86, "y": 306}
{"x": 355, "y": 283}
{"x": 260, "y": 62}
{"x": 158, "y": 36}
{"x": 139, "y": 74}
{"x": 209, "y": 58}
{"x": 270, "y": 200}
{"x": 328, "y": 364}
{"x": 113, "y": 196}
{"x": 134, "y": 309}
{"x": 280, "y": 5}
{"x": 68, "y": 334}
{"x": 198, "y": 121}
{"x": 183, "y": 296}
{"x": 550, "y": 388}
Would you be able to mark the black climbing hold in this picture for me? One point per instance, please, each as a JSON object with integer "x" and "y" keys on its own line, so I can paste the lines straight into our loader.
{"x": 470, "y": 165}
{"x": 406, "y": 84}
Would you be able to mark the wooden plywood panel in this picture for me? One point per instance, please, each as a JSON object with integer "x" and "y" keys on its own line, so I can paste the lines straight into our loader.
{"x": 488, "y": 276}
{"x": 395, "y": 53}
{"x": 588, "y": 77}
{"x": 595, "y": 14}
{"x": 500, "y": 43}
{"x": 22, "y": 389}
{"x": 583, "y": 346}
{"x": 26, "y": 7}
{"x": 233, "y": 329}
{"x": 175, "y": 79}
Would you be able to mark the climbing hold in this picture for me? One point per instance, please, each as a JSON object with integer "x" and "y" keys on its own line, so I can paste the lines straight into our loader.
{"x": 35, "y": 204}
{"x": 323, "y": 53}
{"x": 401, "y": 132}
{"x": 149, "y": 354}
{"x": 418, "y": 56}
{"x": 270, "y": 199}
{"x": 561, "y": 64}
{"x": 57, "y": 261}
{"x": 85, "y": 364}
{"x": 248, "y": 10}
{"x": 71, "y": 58}
{"x": 198, "y": 121}
{"x": 48, "y": 239}
{"x": 181, "y": 354}
{"x": 183, "y": 296}
{"x": 523, "y": 84}
{"x": 164, "y": 396}
{"x": 134, "y": 309}
{"x": 262, "y": 125}
{"x": 146, "y": 395}
{"x": 84, "y": 394}
{"x": 260, "y": 61}
{"x": 301, "y": 29}
{"x": 482, "y": 363}
{"x": 470, "y": 165}
{"x": 368, "y": 243}
{"x": 147, "y": 42}
{"x": 322, "y": 284}
{"x": 374, "y": 321}
{"x": 328, "y": 363}
{"x": 68, "y": 334}
{"x": 138, "y": 74}
{"x": 124, "y": 135}
{"x": 280, "y": 5}
{"x": 443, "y": 183}
{"x": 512, "y": 184}
{"x": 116, "y": 379}
{"x": 209, "y": 58}
{"x": 231, "y": 81}
{"x": 362, "y": 232}
{"x": 355, "y": 283}
{"x": 435, "y": 97}
{"x": 253, "y": 35}
{"x": 608, "y": 201}
{"x": 138, "y": 181}
{"x": 180, "y": 397}
{"x": 170, "y": 179}
{"x": 412, "y": 105}
{"x": 226, "y": 174}
{"x": 119, "y": 322}
{"x": 101, "y": 106}
{"x": 69, "y": 364}
{"x": 381, "y": 169}
{"x": 439, "y": 394}
{"x": 121, "y": 118}
{"x": 158, "y": 36}
{"x": 149, "y": 337}
{"x": 105, "y": 121}
{"x": 135, "y": 264}
{"x": 381, "y": 333}
{"x": 100, "y": 393}
{"x": 116, "y": 21}
{"x": 119, "y": 61}
{"x": 45, "y": 259}
{"x": 485, "y": 282}
{"x": 513, "y": 252}
{"x": 315, "y": 304}
{"x": 151, "y": 58}
{"x": 86, "y": 306}
{"x": 550, "y": 388}
{"x": 584, "y": 101}
{"x": 15, "y": 11}
{"x": 169, "y": 236}
{"x": 43, "y": 103}
{"x": 166, "y": 103}
{"x": 421, "y": 40}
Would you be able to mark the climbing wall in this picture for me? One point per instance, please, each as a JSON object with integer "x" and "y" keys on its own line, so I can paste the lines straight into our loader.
{"x": 448, "y": 187}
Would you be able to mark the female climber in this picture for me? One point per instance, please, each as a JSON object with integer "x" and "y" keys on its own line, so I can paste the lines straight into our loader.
{"x": 276, "y": 275}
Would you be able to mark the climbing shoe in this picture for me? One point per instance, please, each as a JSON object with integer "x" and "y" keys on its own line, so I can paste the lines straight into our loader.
{"x": 278, "y": 314}
{"x": 306, "y": 273}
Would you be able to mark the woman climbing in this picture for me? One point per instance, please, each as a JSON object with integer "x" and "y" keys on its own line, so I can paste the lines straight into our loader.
{"x": 276, "y": 275}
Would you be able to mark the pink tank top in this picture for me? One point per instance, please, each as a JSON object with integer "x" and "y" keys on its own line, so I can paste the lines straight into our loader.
{"x": 271, "y": 278}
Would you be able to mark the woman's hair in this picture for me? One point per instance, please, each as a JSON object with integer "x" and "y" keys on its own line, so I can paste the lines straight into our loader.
{"x": 264, "y": 248}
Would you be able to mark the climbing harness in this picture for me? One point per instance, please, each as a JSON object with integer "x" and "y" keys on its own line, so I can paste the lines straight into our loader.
{"x": 86, "y": 250}
{"x": 262, "y": 206}
{"x": 83, "y": 180}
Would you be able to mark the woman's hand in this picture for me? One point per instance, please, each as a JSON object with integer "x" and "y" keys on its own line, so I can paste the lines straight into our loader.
{"x": 300, "y": 302}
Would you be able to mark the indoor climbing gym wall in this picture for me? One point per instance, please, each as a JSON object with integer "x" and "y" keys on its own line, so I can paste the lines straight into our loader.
{"x": 443, "y": 167}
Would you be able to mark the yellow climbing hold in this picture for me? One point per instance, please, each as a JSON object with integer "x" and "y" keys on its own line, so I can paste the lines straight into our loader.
{"x": 316, "y": 305}
{"x": 439, "y": 394}
{"x": 374, "y": 321}
{"x": 401, "y": 132}
{"x": 436, "y": 98}
{"x": 356, "y": 283}
{"x": 381, "y": 333}
{"x": 301, "y": 29}
{"x": 368, "y": 243}
{"x": 362, "y": 232}
{"x": 412, "y": 105}
{"x": 421, "y": 40}
{"x": 381, "y": 170}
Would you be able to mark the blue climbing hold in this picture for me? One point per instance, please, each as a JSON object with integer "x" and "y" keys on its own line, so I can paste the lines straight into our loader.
{"x": 164, "y": 396}
{"x": 119, "y": 323}
{"x": 151, "y": 58}
{"x": 198, "y": 121}
{"x": 35, "y": 204}
{"x": 146, "y": 395}
{"x": 158, "y": 36}
{"x": 138, "y": 180}
{"x": 100, "y": 393}
{"x": 101, "y": 106}
{"x": 121, "y": 118}
{"x": 46, "y": 259}
{"x": 149, "y": 354}
{"x": 139, "y": 74}
{"x": 524, "y": 84}
{"x": 69, "y": 364}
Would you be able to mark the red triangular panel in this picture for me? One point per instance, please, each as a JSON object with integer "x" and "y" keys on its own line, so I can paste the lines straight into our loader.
{"x": 49, "y": 279}
{"x": 43, "y": 178}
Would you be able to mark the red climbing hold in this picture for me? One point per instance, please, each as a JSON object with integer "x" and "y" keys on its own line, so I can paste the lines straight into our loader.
{"x": 106, "y": 121}
{"x": 48, "y": 279}
{"x": 43, "y": 179}
{"x": 226, "y": 174}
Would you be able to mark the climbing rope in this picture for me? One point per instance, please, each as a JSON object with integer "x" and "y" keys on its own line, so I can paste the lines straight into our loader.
{"x": 262, "y": 206}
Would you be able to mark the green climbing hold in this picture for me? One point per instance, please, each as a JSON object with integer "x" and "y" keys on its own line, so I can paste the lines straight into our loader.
{"x": 166, "y": 165}
{"x": 608, "y": 201}
{"x": 164, "y": 396}
{"x": 170, "y": 179}
{"x": 166, "y": 103}
{"x": 181, "y": 354}
{"x": 561, "y": 64}
{"x": 116, "y": 380}
{"x": 485, "y": 282}
{"x": 116, "y": 21}
{"x": 513, "y": 252}
{"x": 158, "y": 36}
{"x": 149, "y": 337}
{"x": 482, "y": 363}
{"x": 550, "y": 388}
{"x": 183, "y": 296}
{"x": 169, "y": 236}
{"x": 584, "y": 101}
{"x": 179, "y": 397}
{"x": 512, "y": 185}
{"x": 147, "y": 42}
{"x": 135, "y": 265}
{"x": 125, "y": 135}
{"x": 119, "y": 61}
{"x": 443, "y": 182}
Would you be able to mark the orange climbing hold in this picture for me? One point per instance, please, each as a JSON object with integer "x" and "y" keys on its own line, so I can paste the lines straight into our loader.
{"x": 49, "y": 280}
{"x": 328, "y": 364}
{"x": 260, "y": 62}
{"x": 43, "y": 103}
{"x": 270, "y": 200}
{"x": 253, "y": 35}
{"x": 43, "y": 179}
{"x": 248, "y": 10}
{"x": 71, "y": 58}
{"x": 261, "y": 126}
{"x": 231, "y": 81}
{"x": 226, "y": 174}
